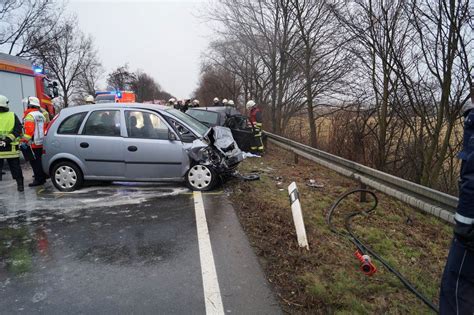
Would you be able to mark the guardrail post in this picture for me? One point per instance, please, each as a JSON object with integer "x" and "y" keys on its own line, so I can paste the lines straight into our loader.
{"x": 363, "y": 194}
{"x": 295, "y": 157}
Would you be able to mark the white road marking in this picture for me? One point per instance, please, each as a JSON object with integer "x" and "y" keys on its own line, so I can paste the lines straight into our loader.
{"x": 212, "y": 293}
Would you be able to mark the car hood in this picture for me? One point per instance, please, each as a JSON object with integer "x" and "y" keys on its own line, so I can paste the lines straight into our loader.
{"x": 220, "y": 139}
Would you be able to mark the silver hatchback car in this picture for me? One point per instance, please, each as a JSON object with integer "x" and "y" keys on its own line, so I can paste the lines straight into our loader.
{"x": 136, "y": 142}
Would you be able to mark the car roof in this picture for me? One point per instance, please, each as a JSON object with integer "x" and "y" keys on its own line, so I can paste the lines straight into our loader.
{"x": 82, "y": 108}
{"x": 215, "y": 108}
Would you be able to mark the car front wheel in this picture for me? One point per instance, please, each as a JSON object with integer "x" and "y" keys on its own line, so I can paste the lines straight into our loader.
{"x": 67, "y": 176}
{"x": 201, "y": 178}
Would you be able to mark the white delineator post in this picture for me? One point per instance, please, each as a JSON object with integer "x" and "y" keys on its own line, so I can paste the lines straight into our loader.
{"x": 297, "y": 215}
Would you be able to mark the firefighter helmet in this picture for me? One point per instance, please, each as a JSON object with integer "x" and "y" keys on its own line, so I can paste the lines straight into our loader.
{"x": 216, "y": 100}
{"x": 230, "y": 103}
{"x": 250, "y": 104}
{"x": 3, "y": 101}
{"x": 89, "y": 99}
{"x": 225, "y": 101}
{"x": 33, "y": 101}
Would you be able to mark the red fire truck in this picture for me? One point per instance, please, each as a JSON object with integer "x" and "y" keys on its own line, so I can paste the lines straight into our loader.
{"x": 19, "y": 78}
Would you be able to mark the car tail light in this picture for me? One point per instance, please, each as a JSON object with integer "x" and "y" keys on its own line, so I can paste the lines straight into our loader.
{"x": 50, "y": 124}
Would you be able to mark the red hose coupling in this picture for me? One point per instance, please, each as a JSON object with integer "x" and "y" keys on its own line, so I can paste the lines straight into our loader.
{"x": 366, "y": 265}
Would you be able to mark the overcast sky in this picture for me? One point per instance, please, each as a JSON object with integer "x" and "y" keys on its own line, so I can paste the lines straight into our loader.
{"x": 163, "y": 38}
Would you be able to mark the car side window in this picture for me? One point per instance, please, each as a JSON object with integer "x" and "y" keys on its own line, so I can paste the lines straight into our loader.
{"x": 145, "y": 125}
{"x": 71, "y": 125}
{"x": 103, "y": 123}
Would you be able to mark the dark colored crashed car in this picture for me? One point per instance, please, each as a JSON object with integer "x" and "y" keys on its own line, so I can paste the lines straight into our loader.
{"x": 136, "y": 142}
{"x": 226, "y": 116}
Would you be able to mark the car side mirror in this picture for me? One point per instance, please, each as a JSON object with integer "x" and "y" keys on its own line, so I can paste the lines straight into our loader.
{"x": 171, "y": 136}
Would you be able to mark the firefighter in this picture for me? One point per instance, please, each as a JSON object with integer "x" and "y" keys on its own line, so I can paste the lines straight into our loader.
{"x": 195, "y": 103}
{"x": 47, "y": 117}
{"x": 34, "y": 124}
{"x": 216, "y": 102}
{"x": 89, "y": 99}
{"x": 186, "y": 106}
{"x": 224, "y": 102}
{"x": 10, "y": 132}
{"x": 457, "y": 284}
{"x": 171, "y": 102}
{"x": 179, "y": 105}
{"x": 255, "y": 119}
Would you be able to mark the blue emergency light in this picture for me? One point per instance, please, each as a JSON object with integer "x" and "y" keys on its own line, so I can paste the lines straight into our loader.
{"x": 119, "y": 94}
{"x": 37, "y": 69}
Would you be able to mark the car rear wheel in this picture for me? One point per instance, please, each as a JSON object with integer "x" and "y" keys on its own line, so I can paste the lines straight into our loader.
{"x": 66, "y": 176}
{"x": 200, "y": 177}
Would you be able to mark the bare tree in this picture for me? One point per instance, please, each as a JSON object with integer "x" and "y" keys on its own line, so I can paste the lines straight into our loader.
{"x": 322, "y": 59}
{"x": 69, "y": 58}
{"x": 121, "y": 78}
{"x": 28, "y": 25}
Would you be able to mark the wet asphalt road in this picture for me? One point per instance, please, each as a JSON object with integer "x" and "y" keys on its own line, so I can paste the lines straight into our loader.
{"x": 123, "y": 248}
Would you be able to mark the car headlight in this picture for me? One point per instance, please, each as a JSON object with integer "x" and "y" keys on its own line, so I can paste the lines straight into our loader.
{"x": 204, "y": 154}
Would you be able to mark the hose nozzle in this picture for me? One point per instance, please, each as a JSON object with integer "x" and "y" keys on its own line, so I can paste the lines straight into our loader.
{"x": 367, "y": 267}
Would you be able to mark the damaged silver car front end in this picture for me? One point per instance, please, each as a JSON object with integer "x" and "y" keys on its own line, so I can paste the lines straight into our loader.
{"x": 218, "y": 150}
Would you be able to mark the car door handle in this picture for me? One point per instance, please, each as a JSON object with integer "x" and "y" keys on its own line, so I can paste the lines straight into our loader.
{"x": 132, "y": 148}
{"x": 84, "y": 145}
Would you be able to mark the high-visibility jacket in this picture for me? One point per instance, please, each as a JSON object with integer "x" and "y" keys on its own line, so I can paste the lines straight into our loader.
{"x": 34, "y": 124}
{"x": 10, "y": 128}
{"x": 256, "y": 118}
{"x": 46, "y": 115}
{"x": 256, "y": 121}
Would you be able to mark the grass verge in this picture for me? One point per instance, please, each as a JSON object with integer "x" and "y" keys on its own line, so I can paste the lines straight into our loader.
{"x": 326, "y": 279}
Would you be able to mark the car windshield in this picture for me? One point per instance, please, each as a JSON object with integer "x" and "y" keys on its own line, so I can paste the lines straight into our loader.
{"x": 195, "y": 124}
{"x": 204, "y": 116}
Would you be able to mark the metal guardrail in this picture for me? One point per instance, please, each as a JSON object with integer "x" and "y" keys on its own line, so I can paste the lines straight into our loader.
{"x": 429, "y": 200}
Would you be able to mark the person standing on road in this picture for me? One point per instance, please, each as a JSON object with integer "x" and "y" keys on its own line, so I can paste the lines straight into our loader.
{"x": 10, "y": 132}
{"x": 35, "y": 126}
{"x": 216, "y": 102}
{"x": 457, "y": 284}
{"x": 256, "y": 120}
{"x": 172, "y": 102}
{"x": 186, "y": 106}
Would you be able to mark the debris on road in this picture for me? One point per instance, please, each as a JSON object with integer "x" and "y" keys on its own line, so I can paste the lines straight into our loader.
{"x": 314, "y": 184}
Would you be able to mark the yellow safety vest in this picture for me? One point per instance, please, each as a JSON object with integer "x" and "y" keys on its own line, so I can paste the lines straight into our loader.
{"x": 7, "y": 124}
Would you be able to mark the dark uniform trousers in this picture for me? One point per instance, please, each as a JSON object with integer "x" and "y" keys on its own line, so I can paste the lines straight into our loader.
{"x": 36, "y": 165}
{"x": 15, "y": 168}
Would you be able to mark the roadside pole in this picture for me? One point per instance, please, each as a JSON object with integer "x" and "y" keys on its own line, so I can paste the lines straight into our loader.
{"x": 297, "y": 215}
